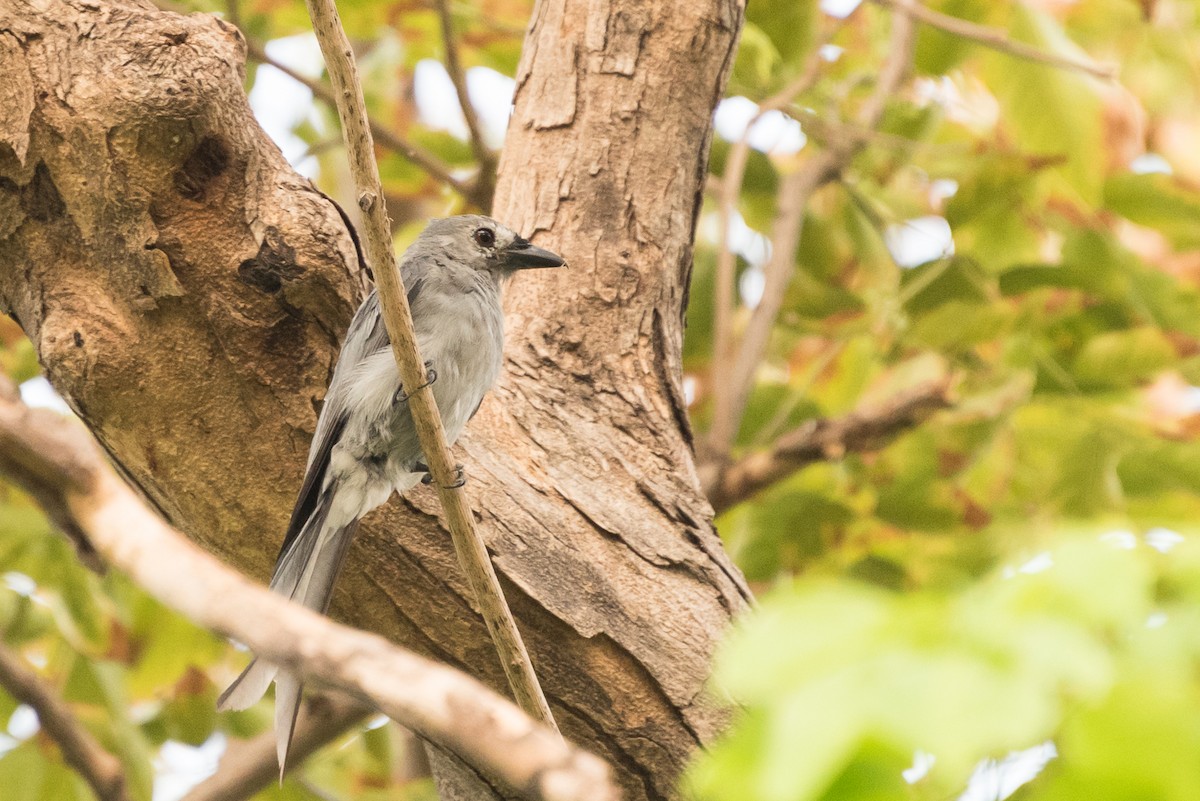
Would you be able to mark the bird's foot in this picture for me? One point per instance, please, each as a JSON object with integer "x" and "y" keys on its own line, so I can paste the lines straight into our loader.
{"x": 460, "y": 476}
{"x": 430, "y": 376}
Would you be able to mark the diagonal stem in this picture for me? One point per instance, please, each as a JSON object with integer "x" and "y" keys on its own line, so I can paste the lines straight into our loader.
{"x": 997, "y": 40}
{"x": 487, "y": 160}
{"x": 100, "y": 769}
{"x": 731, "y": 186}
{"x": 795, "y": 190}
{"x": 389, "y": 139}
{"x": 397, "y": 317}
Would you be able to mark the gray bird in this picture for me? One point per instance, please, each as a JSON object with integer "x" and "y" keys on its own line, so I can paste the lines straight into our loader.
{"x": 365, "y": 445}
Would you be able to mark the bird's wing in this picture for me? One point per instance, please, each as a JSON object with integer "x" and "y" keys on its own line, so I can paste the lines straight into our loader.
{"x": 366, "y": 336}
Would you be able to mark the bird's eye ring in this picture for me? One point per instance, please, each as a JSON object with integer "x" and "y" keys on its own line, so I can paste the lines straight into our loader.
{"x": 485, "y": 237}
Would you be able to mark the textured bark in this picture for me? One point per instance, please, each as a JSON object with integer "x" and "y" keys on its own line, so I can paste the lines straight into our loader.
{"x": 187, "y": 293}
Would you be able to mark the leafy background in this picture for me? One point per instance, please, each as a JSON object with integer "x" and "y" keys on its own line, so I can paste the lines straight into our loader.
{"x": 1002, "y": 599}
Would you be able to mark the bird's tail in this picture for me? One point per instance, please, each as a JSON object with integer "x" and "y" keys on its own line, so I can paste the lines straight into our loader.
{"x": 306, "y": 572}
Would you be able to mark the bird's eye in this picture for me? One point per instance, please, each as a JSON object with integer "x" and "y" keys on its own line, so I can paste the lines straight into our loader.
{"x": 485, "y": 237}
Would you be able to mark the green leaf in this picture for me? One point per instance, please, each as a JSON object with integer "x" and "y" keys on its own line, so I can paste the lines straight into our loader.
{"x": 168, "y": 646}
{"x": 1054, "y": 114}
{"x": 991, "y": 213}
{"x": 928, "y": 286}
{"x": 938, "y": 52}
{"x": 1159, "y": 202}
{"x": 787, "y": 27}
{"x": 1122, "y": 358}
{"x": 23, "y": 772}
{"x": 757, "y": 60}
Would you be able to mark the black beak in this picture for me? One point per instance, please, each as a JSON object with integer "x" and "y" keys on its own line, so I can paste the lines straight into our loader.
{"x": 524, "y": 255}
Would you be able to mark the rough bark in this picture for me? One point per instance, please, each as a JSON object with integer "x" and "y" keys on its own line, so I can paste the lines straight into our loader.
{"x": 187, "y": 293}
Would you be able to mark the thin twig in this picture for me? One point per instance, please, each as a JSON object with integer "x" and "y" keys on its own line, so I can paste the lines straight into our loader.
{"x": 60, "y": 465}
{"x": 254, "y": 766}
{"x": 730, "y": 188}
{"x": 860, "y": 431}
{"x": 472, "y": 554}
{"x": 100, "y": 769}
{"x": 997, "y": 40}
{"x": 795, "y": 190}
{"x": 486, "y": 181}
{"x": 389, "y": 139}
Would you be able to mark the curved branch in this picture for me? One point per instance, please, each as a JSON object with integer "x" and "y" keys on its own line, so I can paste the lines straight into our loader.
{"x": 730, "y": 187}
{"x": 996, "y": 40}
{"x": 486, "y": 181}
{"x": 795, "y": 190}
{"x": 830, "y": 438}
{"x": 100, "y": 769}
{"x": 440, "y": 704}
{"x": 397, "y": 318}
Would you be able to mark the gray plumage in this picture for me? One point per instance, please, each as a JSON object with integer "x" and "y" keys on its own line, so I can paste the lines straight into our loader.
{"x": 366, "y": 446}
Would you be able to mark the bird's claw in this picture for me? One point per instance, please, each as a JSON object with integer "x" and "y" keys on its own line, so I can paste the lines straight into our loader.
{"x": 430, "y": 376}
{"x": 460, "y": 476}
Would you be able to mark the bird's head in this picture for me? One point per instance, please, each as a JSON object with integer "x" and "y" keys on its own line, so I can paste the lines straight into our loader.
{"x": 484, "y": 244}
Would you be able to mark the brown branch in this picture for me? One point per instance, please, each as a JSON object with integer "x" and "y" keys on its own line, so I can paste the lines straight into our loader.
{"x": 397, "y": 317}
{"x": 486, "y": 181}
{"x": 795, "y": 190}
{"x": 996, "y": 39}
{"x": 822, "y": 439}
{"x": 727, "y": 195}
{"x": 100, "y": 769}
{"x": 444, "y": 706}
{"x": 253, "y": 766}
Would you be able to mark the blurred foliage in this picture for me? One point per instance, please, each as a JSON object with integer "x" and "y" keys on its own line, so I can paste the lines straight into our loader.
{"x": 1094, "y": 643}
{"x": 138, "y": 676}
{"x": 1064, "y": 309}
{"x": 1020, "y": 569}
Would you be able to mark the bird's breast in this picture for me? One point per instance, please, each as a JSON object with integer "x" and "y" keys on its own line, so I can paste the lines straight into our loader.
{"x": 464, "y": 342}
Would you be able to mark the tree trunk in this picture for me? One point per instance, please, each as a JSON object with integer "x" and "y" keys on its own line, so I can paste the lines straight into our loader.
{"x": 187, "y": 293}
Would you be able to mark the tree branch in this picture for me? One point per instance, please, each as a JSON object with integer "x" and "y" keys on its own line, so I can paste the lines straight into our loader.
{"x": 996, "y": 39}
{"x": 385, "y": 136}
{"x": 100, "y": 769}
{"x": 861, "y": 430}
{"x": 727, "y": 195}
{"x": 442, "y": 705}
{"x": 486, "y": 181}
{"x": 397, "y": 317}
{"x": 795, "y": 190}
{"x": 254, "y": 765}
